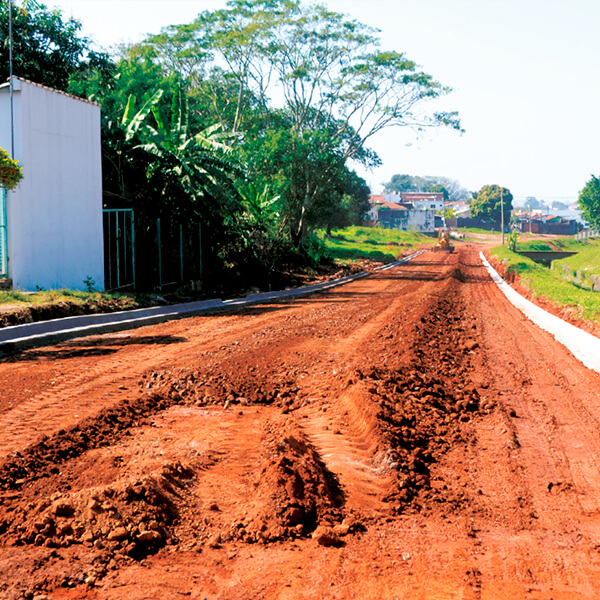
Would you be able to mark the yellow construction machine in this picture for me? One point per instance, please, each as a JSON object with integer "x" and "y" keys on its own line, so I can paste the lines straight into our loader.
{"x": 443, "y": 243}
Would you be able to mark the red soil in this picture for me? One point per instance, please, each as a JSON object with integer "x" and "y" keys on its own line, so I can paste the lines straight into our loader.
{"x": 409, "y": 435}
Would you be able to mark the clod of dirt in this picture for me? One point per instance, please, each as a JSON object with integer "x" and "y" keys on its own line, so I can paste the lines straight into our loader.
{"x": 215, "y": 386}
{"x": 326, "y": 536}
{"x": 298, "y": 492}
{"x": 132, "y": 519}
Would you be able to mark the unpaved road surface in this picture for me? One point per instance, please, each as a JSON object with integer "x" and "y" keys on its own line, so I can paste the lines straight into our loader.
{"x": 407, "y": 436}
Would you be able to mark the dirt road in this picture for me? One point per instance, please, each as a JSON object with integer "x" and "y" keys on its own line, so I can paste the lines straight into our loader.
{"x": 406, "y": 436}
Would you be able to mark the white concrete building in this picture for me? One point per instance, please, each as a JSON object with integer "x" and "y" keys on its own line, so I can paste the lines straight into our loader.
{"x": 53, "y": 231}
{"x": 424, "y": 200}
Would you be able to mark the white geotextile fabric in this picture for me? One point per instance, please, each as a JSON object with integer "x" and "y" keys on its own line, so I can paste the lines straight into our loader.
{"x": 584, "y": 346}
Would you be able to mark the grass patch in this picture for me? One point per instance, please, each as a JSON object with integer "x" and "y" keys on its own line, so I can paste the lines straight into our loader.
{"x": 534, "y": 246}
{"x": 18, "y": 298}
{"x": 467, "y": 230}
{"x": 583, "y": 269}
{"x": 587, "y": 257}
{"x": 372, "y": 243}
{"x": 549, "y": 283}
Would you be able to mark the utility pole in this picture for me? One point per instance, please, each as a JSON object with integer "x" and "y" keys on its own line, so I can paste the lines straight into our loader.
{"x": 10, "y": 79}
{"x": 502, "y": 212}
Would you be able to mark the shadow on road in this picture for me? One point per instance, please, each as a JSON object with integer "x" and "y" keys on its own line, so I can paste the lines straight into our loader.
{"x": 91, "y": 346}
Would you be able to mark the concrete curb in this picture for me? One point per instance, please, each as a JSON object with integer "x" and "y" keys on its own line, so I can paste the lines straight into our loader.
{"x": 46, "y": 332}
{"x": 583, "y": 345}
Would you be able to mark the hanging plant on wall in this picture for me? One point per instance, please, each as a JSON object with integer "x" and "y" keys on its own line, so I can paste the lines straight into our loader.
{"x": 10, "y": 171}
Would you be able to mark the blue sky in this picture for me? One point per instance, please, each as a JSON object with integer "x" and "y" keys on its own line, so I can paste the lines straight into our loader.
{"x": 525, "y": 75}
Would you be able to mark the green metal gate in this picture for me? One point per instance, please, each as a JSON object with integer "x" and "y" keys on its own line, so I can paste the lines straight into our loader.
{"x": 3, "y": 235}
{"x": 119, "y": 248}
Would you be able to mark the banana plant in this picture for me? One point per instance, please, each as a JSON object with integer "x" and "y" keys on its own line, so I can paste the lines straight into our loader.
{"x": 199, "y": 164}
{"x": 259, "y": 204}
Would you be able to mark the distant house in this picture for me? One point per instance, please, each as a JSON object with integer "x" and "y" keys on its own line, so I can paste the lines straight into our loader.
{"x": 547, "y": 224}
{"x": 400, "y": 215}
{"x": 417, "y": 200}
{"x": 51, "y": 236}
{"x": 424, "y": 200}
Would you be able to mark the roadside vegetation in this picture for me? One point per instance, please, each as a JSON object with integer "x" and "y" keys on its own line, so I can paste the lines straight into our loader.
{"x": 560, "y": 283}
{"x": 17, "y": 298}
{"x": 245, "y": 122}
{"x": 371, "y": 243}
{"x": 588, "y": 256}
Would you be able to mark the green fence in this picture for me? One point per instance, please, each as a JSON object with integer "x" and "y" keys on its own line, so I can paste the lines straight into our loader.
{"x": 3, "y": 235}
{"x": 119, "y": 248}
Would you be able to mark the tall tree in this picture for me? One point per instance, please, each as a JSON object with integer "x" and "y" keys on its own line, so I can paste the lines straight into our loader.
{"x": 222, "y": 56}
{"x": 440, "y": 189}
{"x": 487, "y": 205}
{"x": 589, "y": 201}
{"x": 47, "y": 48}
{"x": 324, "y": 72}
{"x": 404, "y": 183}
{"x": 532, "y": 203}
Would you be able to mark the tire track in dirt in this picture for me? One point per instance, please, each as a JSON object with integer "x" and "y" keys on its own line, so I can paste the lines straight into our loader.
{"x": 76, "y": 395}
{"x": 351, "y": 456}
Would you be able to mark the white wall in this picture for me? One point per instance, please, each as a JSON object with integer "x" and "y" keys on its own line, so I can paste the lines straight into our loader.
{"x": 408, "y": 220}
{"x": 422, "y": 220}
{"x": 55, "y": 235}
{"x": 428, "y": 204}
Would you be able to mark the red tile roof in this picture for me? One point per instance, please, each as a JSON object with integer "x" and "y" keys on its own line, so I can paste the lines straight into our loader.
{"x": 391, "y": 205}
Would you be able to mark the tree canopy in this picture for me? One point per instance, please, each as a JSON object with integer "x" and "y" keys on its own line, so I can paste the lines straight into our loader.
{"x": 487, "y": 205}
{"x": 440, "y": 189}
{"x": 415, "y": 183}
{"x": 303, "y": 87}
{"x": 589, "y": 201}
{"x": 533, "y": 203}
{"x": 47, "y": 48}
